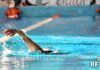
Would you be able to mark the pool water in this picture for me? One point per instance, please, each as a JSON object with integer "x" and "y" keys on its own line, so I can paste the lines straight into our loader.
{"x": 80, "y": 52}
{"x": 77, "y": 38}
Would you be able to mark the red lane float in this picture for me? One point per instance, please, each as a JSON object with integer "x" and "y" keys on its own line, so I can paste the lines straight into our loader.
{"x": 98, "y": 10}
{"x": 13, "y": 13}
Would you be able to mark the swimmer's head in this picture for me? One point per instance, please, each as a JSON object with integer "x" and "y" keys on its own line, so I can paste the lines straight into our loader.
{"x": 47, "y": 50}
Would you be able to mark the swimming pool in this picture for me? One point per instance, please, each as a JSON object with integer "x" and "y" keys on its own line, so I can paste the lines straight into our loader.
{"x": 76, "y": 35}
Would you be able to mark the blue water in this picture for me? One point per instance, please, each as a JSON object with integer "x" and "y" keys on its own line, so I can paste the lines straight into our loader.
{"x": 77, "y": 37}
{"x": 80, "y": 52}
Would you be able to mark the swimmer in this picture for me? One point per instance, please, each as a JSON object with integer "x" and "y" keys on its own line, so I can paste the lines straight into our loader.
{"x": 31, "y": 44}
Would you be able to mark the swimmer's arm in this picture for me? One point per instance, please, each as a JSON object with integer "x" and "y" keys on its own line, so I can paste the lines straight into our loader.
{"x": 31, "y": 45}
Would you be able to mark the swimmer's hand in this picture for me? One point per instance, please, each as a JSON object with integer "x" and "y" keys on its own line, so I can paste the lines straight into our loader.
{"x": 12, "y": 32}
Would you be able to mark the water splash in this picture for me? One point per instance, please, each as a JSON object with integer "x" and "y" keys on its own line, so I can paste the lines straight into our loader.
{"x": 5, "y": 51}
